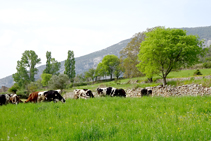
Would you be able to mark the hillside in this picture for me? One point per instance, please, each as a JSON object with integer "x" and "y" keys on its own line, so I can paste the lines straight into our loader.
{"x": 91, "y": 60}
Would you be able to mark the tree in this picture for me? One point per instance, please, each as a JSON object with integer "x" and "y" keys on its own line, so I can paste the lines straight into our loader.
{"x": 129, "y": 55}
{"x": 14, "y": 88}
{"x": 109, "y": 64}
{"x": 21, "y": 77}
{"x": 52, "y": 66}
{"x": 90, "y": 74}
{"x": 70, "y": 66}
{"x": 118, "y": 71}
{"x": 166, "y": 49}
{"x": 58, "y": 82}
{"x": 30, "y": 60}
{"x": 45, "y": 78}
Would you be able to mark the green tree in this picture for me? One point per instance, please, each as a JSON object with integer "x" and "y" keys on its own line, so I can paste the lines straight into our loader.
{"x": 21, "y": 77}
{"x": 70, "y": 66}
{"x": 166, "y": 49}
{"x": 14, "y": 88}
{"x": 45, "y": 78}
{"x": 118, "y": 71}
{"x": 52, "y": 66}
{"x": 90, "y": 74}
{"x": 30, "y": 60}
{"x": 109, "y": 64}
{"x": 58, "y": 82}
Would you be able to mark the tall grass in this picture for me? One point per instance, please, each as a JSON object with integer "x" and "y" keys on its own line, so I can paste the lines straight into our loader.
{"x": 147, "y": 118}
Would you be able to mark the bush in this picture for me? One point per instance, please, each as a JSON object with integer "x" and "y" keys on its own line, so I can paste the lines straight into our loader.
{"x": 197, "y": 72}
{"x": 207, "y": 65}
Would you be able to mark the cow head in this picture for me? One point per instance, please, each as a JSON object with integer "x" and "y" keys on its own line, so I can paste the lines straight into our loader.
{"x": 58, "y": 96}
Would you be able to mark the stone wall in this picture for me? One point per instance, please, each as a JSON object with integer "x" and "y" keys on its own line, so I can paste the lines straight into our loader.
{"x": 168, "y": 90}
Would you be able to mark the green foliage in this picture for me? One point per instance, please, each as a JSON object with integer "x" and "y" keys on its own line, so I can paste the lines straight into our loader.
{"x": 21, "y": 77}
{"x": 58, "y": 82}
{"x": 70, "y": 66}
{"x": 90, "y": 74}
{"x": 30, "y": 60}
{"x": 45, "y": 78}
{"x": 52, "y": 66}
{"x": 166, "y": 49}
{"x": 32, "y": 87}
{"x": 14, "y": 88}
{"x": 109, "y": 64}
{"x": 79, "y": 78}
{"x": 197, "y": 72}
{"x": 157, "y": 118}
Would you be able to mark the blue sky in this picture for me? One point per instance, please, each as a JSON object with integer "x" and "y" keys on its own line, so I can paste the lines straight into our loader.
{"x": 85, "y": 26}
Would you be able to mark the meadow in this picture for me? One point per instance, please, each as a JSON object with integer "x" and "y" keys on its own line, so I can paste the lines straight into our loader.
{"x": 106, "y": 118}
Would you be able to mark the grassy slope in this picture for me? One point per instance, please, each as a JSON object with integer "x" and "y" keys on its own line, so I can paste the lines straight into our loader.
{"x": 157, "y": 118}
{"x": 173, "y": 74}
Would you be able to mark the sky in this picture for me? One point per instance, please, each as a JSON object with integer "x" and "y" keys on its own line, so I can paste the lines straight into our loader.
{"x": 85, "y": 26}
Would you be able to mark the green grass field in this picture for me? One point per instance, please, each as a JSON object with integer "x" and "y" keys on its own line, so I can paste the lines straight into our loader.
{"x": 106, "y": 118}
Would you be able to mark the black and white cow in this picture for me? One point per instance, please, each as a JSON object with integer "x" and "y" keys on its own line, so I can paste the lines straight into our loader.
{"x": 83, "y": 93}
{"x": 4, "y": 99}
{"x": 119, "y": 92}
{"x": 52, "y": 95}
{"x": 106, "y": 91}
{"x": 146, "y": 92}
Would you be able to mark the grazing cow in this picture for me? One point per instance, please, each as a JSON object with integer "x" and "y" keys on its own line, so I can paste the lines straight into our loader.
{"x": 83, "y": 93}
{"x": 41, "y": 96}
{"x": 145, "y": 92}
{"x": 32, "y": 97}
{"x": 4, "y": 99}
{"x": 106, "y": 91}
{"x": 14, "y": 99}
{"x": 119, "y": 92}
{"x": 52, "y": 95}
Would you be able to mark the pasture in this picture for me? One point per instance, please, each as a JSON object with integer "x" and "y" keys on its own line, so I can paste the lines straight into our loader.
{"x": 109, "y": 118}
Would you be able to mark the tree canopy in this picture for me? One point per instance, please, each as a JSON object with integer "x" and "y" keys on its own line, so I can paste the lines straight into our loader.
{"x": 26, "y": 68}
{"x": 165, "y": 49}
{"x": 109, "y": 64}
{"x": 70, "y": 66}
{"x": 52, "y": 66}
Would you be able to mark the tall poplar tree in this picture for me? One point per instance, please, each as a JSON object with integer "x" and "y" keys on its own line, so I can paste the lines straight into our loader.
{"x": 70, "y": 66}
{"x": 52, "y": 66}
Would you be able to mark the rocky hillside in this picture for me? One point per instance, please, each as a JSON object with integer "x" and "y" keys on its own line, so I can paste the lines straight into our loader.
{"x": 91, "y": 60}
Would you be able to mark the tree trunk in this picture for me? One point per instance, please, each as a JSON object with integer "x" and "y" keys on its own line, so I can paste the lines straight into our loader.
{"x": 150, "y": 80}
{"x": 164, "y": 81}
{"x": 111, "y": 76}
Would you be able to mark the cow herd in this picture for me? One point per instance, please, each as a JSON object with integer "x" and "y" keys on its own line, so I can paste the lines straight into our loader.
{"x": 51, "y": 95}
{"x": 108, "y": 91}
{"x": 55, "y": 95}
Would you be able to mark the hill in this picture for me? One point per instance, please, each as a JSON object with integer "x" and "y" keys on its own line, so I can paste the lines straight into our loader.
{"x": 91, "y": 60}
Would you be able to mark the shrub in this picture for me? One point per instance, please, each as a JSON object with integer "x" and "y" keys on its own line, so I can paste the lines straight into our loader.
{"x": 197, "y": 72}
{"x": 207, "y": 65}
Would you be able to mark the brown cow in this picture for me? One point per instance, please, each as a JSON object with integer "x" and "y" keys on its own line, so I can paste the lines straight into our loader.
{"x": 32, "y": 97}
{"x": 14, "y": 99}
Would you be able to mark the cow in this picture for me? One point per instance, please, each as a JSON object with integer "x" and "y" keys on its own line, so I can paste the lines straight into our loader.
{"x": 32, "y": 97}
{"x": 52, "y": 95}
{"x": 119, "y": 92}
{"x": 83, "y": 93}
{"x": 145, "y": 92}
{"x": 106, "y": 91}
{"x": 41, "y": 96}
{"x": 4, "y": 99}
{"x": 14, "y": 99}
